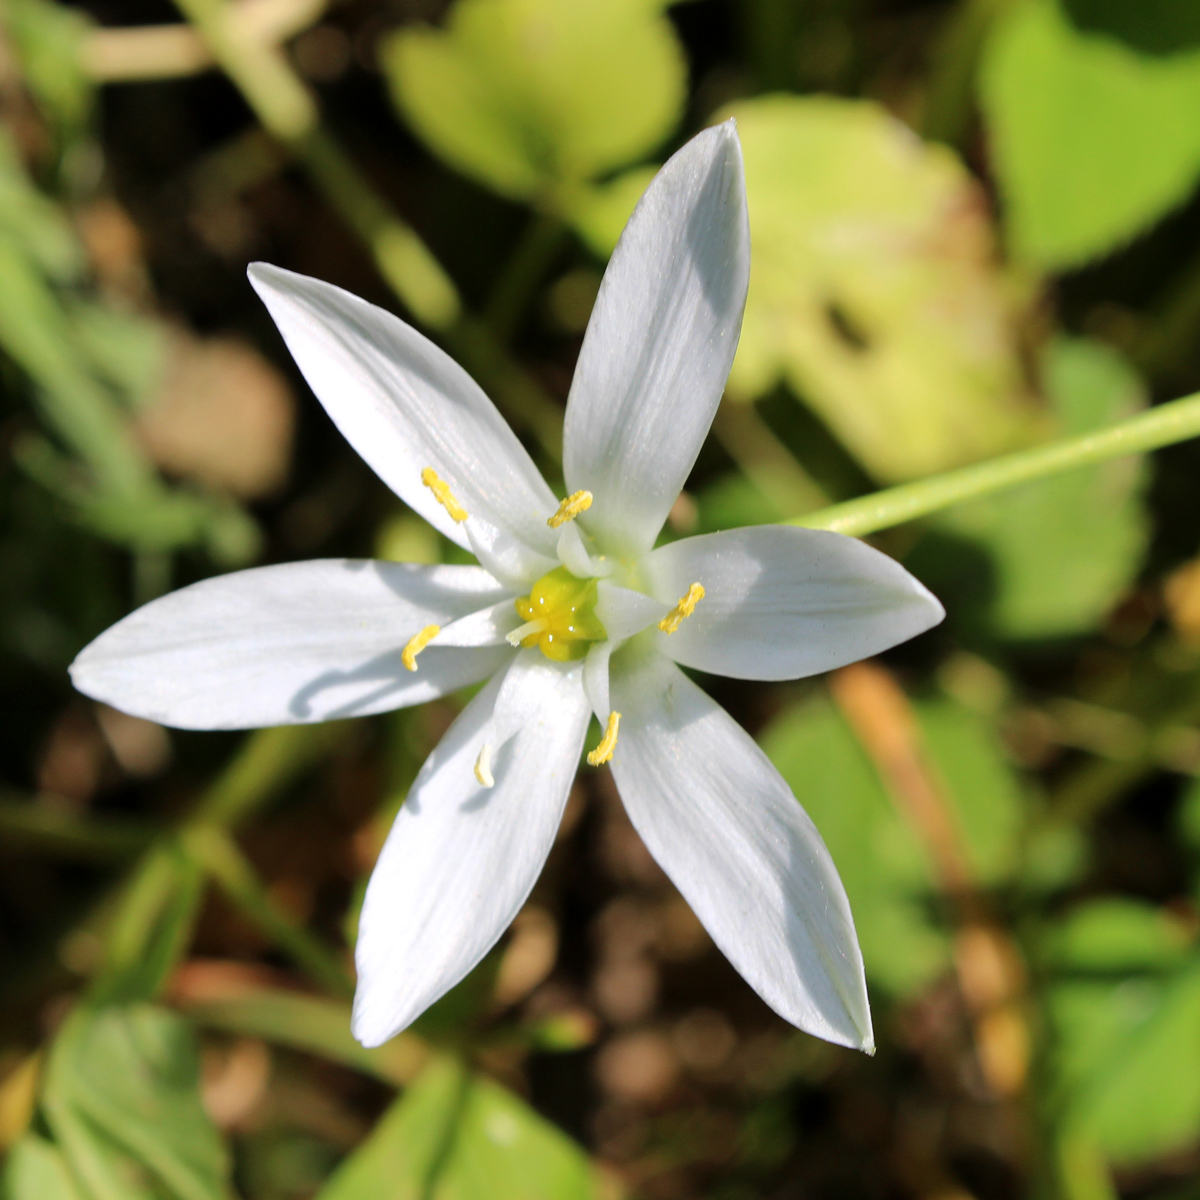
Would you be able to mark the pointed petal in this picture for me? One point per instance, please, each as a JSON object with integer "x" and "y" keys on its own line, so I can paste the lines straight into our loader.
{"x": 726, "y": 828}
{"x": 781, "y": 603}
{"x": 404, "y": 405}
{"x": 660, "y": 342}
{"x": 289, "y": 644}
{"x": 461, "y": 859}
{"x": 487, "y": 627}
{"x": 624, "y": 612}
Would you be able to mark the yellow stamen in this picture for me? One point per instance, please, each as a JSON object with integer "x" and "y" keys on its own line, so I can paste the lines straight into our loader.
{"x": 608, "y": 743}
{"x": 683, "y": 610}
{"x": 483, "y": 766}
{"x": 445, "y": 497}
{"x": 570, "y": 508}
{"x": 417, "y": 643}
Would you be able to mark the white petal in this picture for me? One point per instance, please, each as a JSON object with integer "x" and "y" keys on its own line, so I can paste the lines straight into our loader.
{"x": 404, "y": 405}
{"x": 595, "y": 679}
{"x": 624, "y": 612}
{"x": 781, "y": 603}
{"x": 487, "y": 627}
{"x": 660, "y": 342}
{"x": 726, "y": 828}
{"x": 575, "y": 556}
{"x": 505, "y": 556}
{"x": 461, "y": 859}
{"x": 289, "y": 644}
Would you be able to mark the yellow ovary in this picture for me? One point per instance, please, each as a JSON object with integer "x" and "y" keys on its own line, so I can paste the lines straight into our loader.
{"x": 683, "y": 610}
{"x": 560, "y": 616}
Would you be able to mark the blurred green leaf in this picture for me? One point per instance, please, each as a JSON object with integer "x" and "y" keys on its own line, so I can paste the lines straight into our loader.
{"x": 34, "y": 221}
{"x": 1116, "y": 934}
{"x": 1087, "y": 134}
{"x": 48, "y": 38}
{"x": 530, "y": 96}
{"x": 122, "y": 1098}
{"x": 1066, "y": 549}
{"x": 36, "y": 1170}
{"x": 1125, "y": 1063}
{"x": 874, "y": 293}
{"x": 457, "y": 1136}
{"x": 882, "y": 862}
{"x": 128, "y": 349}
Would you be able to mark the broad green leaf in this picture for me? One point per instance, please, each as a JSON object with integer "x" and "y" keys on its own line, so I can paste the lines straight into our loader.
{"x": 874, "y": 293}
{"x": 1116, "y": 934}
{"x": 457, "y": 1136}
{"x": 126, "y": 1080}
{"x": 36, "y": 1170}
{"x": 1088, "y": 135}
{"x": 1065, "y": 549}
{"x": 530, "y": 96}
{"x": 1125, "y": 1063}
{"x": 882, "y": 862}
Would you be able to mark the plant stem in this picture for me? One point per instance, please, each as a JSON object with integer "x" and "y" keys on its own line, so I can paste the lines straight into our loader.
{"x": 287, "y": 109}
{"x": 1161, "y": 426}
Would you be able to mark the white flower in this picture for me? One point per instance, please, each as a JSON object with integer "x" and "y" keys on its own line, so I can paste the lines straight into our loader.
{"x": 604, "y": 619}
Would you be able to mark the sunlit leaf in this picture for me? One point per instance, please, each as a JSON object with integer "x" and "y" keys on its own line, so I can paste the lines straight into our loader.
{"x": 1065, "y": 549}
{"x": 527, "y": 96}
{"x": 883, "y": 863}
{"x": 1086, "y": 133}
{"x": 1116, "y": 934}
{"x": 122, "y": 1086}
{"x": 36, "y": 1170}
{"x": 1125, "y": 1062}
{"x": 874, "y": 293}
{"x": 458, "y": 1136}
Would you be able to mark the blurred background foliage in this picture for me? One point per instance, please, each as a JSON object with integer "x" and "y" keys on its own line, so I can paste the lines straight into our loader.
{"x": 975, "y": 227}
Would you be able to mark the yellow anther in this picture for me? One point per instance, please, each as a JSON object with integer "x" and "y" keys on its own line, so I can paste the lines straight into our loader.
{"x": 483, "y": 766}
{"x": 445, "y": 497}
{"x": 417, "y": 643}
{"x": 608, "y": 743}
{"x": 683, "y": 610}
{"x": 570, "y": 508}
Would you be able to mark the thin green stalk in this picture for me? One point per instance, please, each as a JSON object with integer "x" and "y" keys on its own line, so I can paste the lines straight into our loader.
{"x": 949, "y": 95}
{"x": 267, "y": 763}
{"x": 217, "y": 853}
{"x": 765, "y": 460}
{"x": 1160, "y": 426}
{"x": 288, "y": 110}
{"x": 27, "y": 822}
{"x": 536, "y": 249}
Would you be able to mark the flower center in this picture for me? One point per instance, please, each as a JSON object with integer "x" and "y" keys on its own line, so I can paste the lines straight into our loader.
{"x": 560, "y": 616}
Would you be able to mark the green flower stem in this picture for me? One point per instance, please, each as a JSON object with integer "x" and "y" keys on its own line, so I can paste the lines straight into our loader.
{"x": 288, "y": 111}
{"x": 765, "y": 460}
{"x": 217, "y": 853}
{"x": 266, "y": 764}
{"x": 43, "y": 827}
{"x": 314, "y": 1024}
{"x": 1159, "y": 426}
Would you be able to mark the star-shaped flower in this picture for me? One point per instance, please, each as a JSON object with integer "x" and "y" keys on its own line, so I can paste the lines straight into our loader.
{"x": 572, "y": 611}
